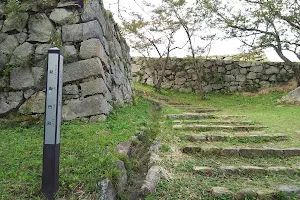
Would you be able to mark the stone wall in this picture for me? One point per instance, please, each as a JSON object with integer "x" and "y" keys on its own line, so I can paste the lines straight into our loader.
{"x": 97, "y": 70}
{"x": 219, "y": 75}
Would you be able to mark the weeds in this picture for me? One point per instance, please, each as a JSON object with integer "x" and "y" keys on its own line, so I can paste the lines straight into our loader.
{"x": 87, "y": 153}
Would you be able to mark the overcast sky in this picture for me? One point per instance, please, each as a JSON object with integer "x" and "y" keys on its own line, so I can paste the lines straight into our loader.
{"x": 224, "y": 47}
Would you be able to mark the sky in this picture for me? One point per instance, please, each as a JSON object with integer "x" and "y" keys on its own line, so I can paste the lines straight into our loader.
{"x": 218, "y": 48}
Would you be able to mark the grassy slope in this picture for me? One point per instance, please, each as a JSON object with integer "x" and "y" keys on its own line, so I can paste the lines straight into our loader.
{"x": 87, "y": 154}
{"x": 263, "y": 109}
{"x": 183, "y": 183}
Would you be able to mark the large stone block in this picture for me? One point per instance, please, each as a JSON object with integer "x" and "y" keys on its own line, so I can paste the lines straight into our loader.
{"x": 106, "y": 45}
{"x": 39, "y": 74}
{"x": 63, "y": 16}
{"x": 22, "y": 55}
{"x": 229, "y": 78}
{"x": 10, "y": 101}
{"x": 40, "y": 28}
{"x": 90, "y": 106}
{"x": 70, "y": 92}
{"x": 41, "y": 55}
{"x": 91, "y": 11}
{"x": 41, "y": 51}
{"x": 258, "y": 68}
{"x": 2, "y": 36}
{"x": 21, "y": 78}
{"x": 117, "y": 47}
{"x": 21, "y": 37}
{"x": 119, "y": 79}
{"x": 292, "y": 97}
{"x": 34, "y": 105}
{"x": 179, "y": 81}
{"x": 72, "y": 33}
{"x": 117, "y": 95}
{"x": 251, "y": 75}
{"x": 80, "y": 32}
{"x": 83, "y": 69}
{"x": 127, "y": 92}
{"x": 9, "y": 44}
{"x": 243, "y": 71}
{"x": 3, "y": 82}
{"x": 17, "y": 21}
{"x": 272, "y": 70}
{"x": 244, "y": 64}
{"x": 71, "y": 54}
{"x": 92, "y": 29}
{"x": 96, "y": 86}
{"x": 91, "y": 48}
{"x": 240, "y": 78}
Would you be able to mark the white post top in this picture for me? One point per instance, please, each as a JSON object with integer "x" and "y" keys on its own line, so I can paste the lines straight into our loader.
{"x": 54, "y": 48}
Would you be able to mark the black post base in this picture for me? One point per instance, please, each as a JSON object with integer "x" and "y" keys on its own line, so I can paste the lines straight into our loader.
{"x": 50, "y": 170}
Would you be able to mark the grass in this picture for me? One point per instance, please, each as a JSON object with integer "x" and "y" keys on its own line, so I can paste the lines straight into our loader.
{"x": 196, "y": 186}
{"x": 87, "y": 154}
{"x": 264, "y": 109}
{"x": 88, "y": 150}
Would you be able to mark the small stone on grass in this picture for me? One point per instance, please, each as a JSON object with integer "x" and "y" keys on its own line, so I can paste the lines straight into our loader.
{"x": 204, "y": 170}
{"x": 220, "y": 191}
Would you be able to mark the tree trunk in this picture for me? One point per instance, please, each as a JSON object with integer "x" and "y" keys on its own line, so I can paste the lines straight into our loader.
{"x": 295, "y": 66}
{"x": 199, "y": 73}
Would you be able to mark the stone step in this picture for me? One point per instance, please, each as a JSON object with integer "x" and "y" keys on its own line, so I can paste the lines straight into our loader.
{"x": 281, "y": 192}
{"x": 190, "y": 107}
{"x": 243, "y": 152}
{"x": 179, "y": 104}
{"x": 199, "y": 110}
{"x": 202, "y": 116}
{"x": 195, "y": 108}
{"x": 202, "y": 127}
{"x": 246, "y": 170}
{"x": 214, "y": 138}
{"x": 152, "y": 96}
{"x": 191, "y": 116}
{"x": 212, "y": 122}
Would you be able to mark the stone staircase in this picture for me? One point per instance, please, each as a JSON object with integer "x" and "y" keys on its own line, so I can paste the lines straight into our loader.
{"x": 207, "y": 136}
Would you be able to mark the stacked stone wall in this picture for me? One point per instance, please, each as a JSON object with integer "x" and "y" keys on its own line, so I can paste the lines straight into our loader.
{"x": 97, "y": 70}
{"x": 219, "y": 75}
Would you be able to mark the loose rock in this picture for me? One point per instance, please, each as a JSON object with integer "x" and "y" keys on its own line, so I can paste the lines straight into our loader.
{"x": 220, "y": 192}
{"x": 125, "y": 148}
{"x": 107, "y": 190}
{"x": 153, "y": 176}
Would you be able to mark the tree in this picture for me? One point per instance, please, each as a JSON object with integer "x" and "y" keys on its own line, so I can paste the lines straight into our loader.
{"x": 259, "y": 24}
{"x": 155, "y": 32}
{"x": 192, "y": 20}
{"x": 159, "y": 28}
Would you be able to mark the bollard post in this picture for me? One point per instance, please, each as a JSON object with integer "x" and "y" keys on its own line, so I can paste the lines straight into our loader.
{"x": 52, "y": 123}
